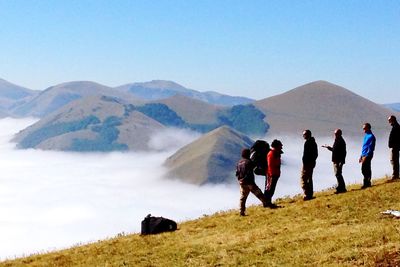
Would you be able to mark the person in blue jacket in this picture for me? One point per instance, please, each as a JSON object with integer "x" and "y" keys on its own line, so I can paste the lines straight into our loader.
{"x": 367, "y": 153}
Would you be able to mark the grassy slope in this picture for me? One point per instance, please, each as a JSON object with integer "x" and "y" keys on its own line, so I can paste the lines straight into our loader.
{"x": 334, "y": 230}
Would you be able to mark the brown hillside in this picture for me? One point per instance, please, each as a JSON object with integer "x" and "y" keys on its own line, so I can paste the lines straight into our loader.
{"x": 322, "y": 107}
{"x": 134, "y": 129}
{"x": 192, "y": 110}
{"x": 209, "y": 159}
{"x": 56, "y": 97}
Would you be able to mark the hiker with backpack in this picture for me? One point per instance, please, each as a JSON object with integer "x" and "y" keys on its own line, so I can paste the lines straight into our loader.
{"x": 245, "y": 176}
{"x": 258, "y": 155}
{"x": 273, "y": 171}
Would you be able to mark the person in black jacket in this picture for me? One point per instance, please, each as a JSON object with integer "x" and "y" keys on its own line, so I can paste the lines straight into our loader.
{"x": 309, "y": 159}
{"x": 338, "y": 158}
{"x": 394, "y": 145}
{"x": 245, "y": 176}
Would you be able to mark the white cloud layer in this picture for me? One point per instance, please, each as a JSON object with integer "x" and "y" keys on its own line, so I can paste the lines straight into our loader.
{"x": 51, "y": 200}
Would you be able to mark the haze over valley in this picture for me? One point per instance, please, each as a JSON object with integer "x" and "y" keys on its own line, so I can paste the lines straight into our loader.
{"x": 82, "y": 161}
{"x": 52, "y": 199}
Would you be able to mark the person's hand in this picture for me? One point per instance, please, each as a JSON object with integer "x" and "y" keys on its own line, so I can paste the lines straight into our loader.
{"x": 361, "y": 160}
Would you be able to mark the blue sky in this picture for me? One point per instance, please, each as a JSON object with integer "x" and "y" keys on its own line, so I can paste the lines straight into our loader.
{"x": 250, "y": 48}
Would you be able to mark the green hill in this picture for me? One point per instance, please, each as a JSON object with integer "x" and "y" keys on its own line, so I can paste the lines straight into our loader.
{"x": 331, "y": 230}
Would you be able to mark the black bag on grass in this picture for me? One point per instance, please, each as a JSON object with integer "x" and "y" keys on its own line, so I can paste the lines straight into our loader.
{"x": 155, "y": 225}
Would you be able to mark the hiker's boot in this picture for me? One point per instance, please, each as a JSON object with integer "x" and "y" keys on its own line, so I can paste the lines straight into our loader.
{"x": 266, "y": 204}
{"x": 340, "y": 190}
{"x": 305, "y": 198}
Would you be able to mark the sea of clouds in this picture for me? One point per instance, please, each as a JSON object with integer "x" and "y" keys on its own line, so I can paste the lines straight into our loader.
{"x": 52, "y": 200}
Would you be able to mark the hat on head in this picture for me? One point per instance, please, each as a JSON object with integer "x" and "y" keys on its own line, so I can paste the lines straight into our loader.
{"x": 277, "y": 144}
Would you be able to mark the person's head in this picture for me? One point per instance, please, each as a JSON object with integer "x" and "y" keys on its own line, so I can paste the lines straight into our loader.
{"x": 306, "y": 134}
{"x": 276, "y": 144}
{"x": 245, "y": 153}
{"x": 366, "y": 127}
{"x": 392, "y": 119}
{"x": 338, "y": 133}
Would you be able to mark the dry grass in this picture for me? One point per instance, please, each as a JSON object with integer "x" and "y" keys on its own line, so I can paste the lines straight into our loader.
{"x": 331, "y": 230}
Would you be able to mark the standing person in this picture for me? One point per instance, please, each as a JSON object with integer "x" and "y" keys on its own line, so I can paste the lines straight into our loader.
{"x": 338, "y": 158}
{"x": 367, "y": 153}
{"x": 309, "y": 159}
{"x": 273, "y": 171}
{"x": 394, "y": 145}
{"x": 245, "y": 175}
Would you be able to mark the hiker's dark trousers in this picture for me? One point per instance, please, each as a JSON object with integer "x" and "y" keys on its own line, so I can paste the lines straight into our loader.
{"x": 366, "y": 170}
{"x": 337, "y": 168}
{"x": 270, "y": 186}
{"x": 245, "y": 190}
{"x": 394, "y": 160}
{"x": 306, "y": 179}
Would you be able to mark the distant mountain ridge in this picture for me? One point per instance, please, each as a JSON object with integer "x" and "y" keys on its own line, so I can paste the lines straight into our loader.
{"x": 55, "y": 97}
{"x": 393, "y": 106}
{"x": 159, "y": 89}
{"x": 12, "y": 91}
{"x": 18, "y": 101}
{"x": 12, "y": 95}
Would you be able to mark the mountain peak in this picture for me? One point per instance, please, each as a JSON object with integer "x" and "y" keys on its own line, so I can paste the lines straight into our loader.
{"x": 78, "y": 84}
{"x": 160, "y": 84}
{"x": 223, "y": 132}
{"x": 322, "y": 107}
{"x": 320, "y": 82}
{"x": 10, "y": 92}
{"x": 209, "y": 159}
{"x": 320, "y": 85}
